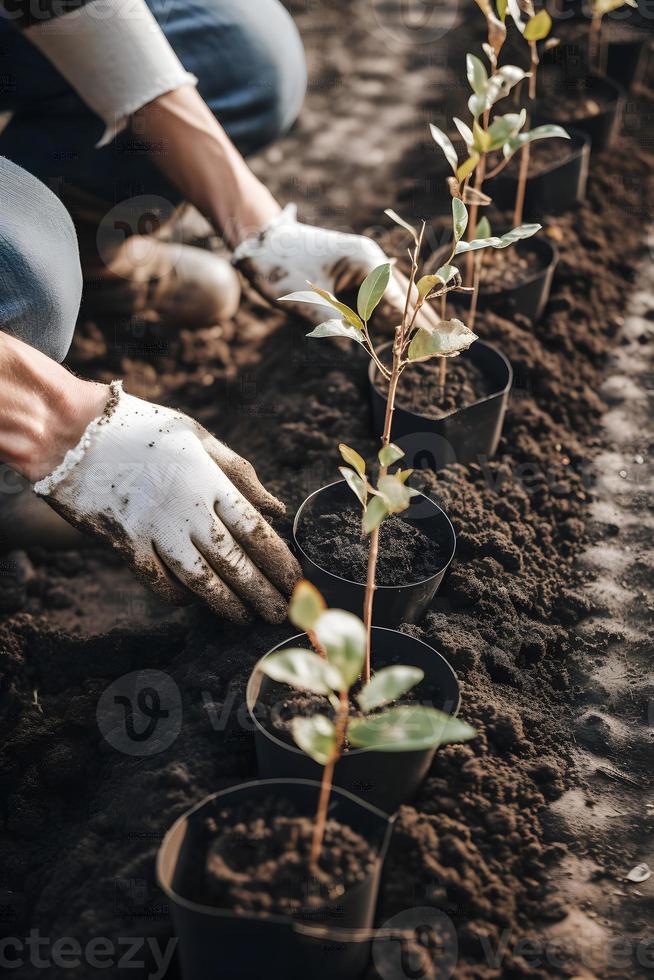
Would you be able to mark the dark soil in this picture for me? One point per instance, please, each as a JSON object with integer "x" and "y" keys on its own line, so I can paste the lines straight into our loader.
{"x": 506, "y": 268}
{"x": 334, "y": 542}
{"x": 255, "y": 858}
{"x": 487, "y": 838}
{"x": 572, "y": 99}
{"x": 419, "y": 389}
{"x": 544, "y": 155}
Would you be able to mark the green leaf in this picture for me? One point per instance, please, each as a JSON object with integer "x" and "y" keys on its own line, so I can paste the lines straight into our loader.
{"x": 465, "y": 131}
{"x": 394, "y": 216}
{"x": 342, "y": 308}
{"x": 446, "y": 146}
{"x": 538, "y": 27}
{"x": 356, "y": 484}
{"x": 501, "y": 83}
{"x": 459, "y": 218}
{"x": 302, "y": 669}
{"x": 477, "y": 104}
{"x": 447, "y": 273}
{"x": 516, "y": 235}
{"x": 336, "y": 328}
{"x": 306, "y": 606}
{"x": 343, "y": 637}
{"x": 316, "y": 736}
{"x": 372, "y": 289}
{"x": 389, "y": 454}
{"x": 394, "y": 493}
{"x": 449, "y": 338}
{"x": 482, "y": 138}
{"x": 442, "y": 277}
{"x": 388, "y": 685}
{"x": 483, "y": 229}
{"x": 467, "y": 167}
{"x": 501, "y": 9}
{"x": 477, "y": 74}
{"x": 307, "y": 296}
{"x": 540, "y": 132}
{"x": 353, "y": 459}
{"x": 505, "y": 127}
{"x": 407, "y": 728}
{"x": 374, "y": 514}
{"x": 603, "y": 7}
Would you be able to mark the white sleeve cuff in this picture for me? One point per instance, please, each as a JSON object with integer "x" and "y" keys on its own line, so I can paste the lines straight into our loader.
{"x": 115, "y": 56}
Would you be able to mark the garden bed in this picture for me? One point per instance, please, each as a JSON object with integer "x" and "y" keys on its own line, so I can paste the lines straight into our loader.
{"x": 84, "y": 814}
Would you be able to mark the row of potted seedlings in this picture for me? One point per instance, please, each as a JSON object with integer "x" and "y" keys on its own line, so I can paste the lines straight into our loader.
{"x": 348, "y": 713}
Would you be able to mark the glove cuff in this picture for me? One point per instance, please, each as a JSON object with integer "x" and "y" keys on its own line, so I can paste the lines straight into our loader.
{"x": 249, "y": 247}
{"x": 45, "y": 486}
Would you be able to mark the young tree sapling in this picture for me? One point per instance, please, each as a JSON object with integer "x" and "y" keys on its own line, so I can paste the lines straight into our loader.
{"x": 404, "y": 728}
{"x": 599, "y": 10}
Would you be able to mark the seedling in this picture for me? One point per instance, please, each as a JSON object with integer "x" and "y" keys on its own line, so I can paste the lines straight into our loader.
{"x": 414, "y": 339}
{"x": 403, "y": 728}
{"x": 599, "y": 10}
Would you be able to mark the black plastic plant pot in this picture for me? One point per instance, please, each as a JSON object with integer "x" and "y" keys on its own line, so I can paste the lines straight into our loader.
{"x": 383, "y": 779}
{"x": 215, "y": 942}
{"x": 602, "y": 127}
{"x": 462, "y": 436}
{"x": 558, "y": 188}
{"x": 393, "y": 604}
{"x": 530, "y": 296}
{"x": 626, "y": 59}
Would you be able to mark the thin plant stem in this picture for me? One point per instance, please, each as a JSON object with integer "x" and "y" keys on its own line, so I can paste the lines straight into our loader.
{"x": 327, "y": 782}
{"x": 442, "y": 364}
{"x": 525, "y": 153}
{"x": 480, "y": 175}
{"x": 595, "y": 42}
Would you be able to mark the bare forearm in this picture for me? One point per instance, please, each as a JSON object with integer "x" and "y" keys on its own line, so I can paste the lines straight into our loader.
{"x": 43, "y": 408}
{"x": 195, "y": 153}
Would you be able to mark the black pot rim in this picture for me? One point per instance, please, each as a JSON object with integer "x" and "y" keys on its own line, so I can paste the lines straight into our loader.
{"x": 218, "y": 913}
{"x": 251, "y": 698}
{"x": 538, "y": 243}
{"x": 380, "y": 588}
{"x": 581, "y": 139}
{"x": 372, "y": 377}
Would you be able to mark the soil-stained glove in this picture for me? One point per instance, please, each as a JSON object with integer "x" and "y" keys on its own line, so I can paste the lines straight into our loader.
{"x": 286, "y": 255}
{"x": 179, "y": 506}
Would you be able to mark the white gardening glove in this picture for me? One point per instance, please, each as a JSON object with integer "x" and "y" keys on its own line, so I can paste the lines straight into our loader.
{"x": 286, "y": 255}
{"x": 180, "y": 507}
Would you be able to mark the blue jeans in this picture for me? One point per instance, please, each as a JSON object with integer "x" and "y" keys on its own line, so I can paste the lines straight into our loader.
{"x": 246, "y": 54}
{"x": 248, "y": 58}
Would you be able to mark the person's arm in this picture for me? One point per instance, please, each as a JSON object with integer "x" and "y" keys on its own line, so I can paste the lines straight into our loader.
{"x": 44, "y": 409}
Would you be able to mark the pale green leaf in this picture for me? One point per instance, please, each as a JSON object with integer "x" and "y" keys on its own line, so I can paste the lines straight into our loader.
{"x": 374, "y": 514}
{"x": 394, "y": 493}
{"x": 336, "y": 328}
{"x": 516, "y": 235}
{"x": 501, "y": 83}
{"x": 449, "y": 338}
{"x": 467, "y": 167}
{"x": 306, "y": 606}
{"x": 307, "y": 296}
{"x": 465, "y": 131}
{"x": 477, "y": 104}
{"x": 388, "y": 685}
{"x": 342, "y": 308}
{"x": 394, "y": 216}
{"x": 356, "y": 484}
{"x": 538, "y": 27}
{"x": 477, "y": 74}
{"x": 372, "y": 289}
{"x": 459, "y": 218}
{"x": 506, "y": 127}
{"x": 353, "y": 459}
{"x": 407, "y": 728}
{"x": 483, "y": 229}
{"x": 447, "y": 273}
{"x": 389, "y": 454}
{"x": 343, "y": 637}
{"x": 316, "y": 736}
{"x": 602, "y": 7}
{"x": 481, "y": 137}
{"x": 302, "y": 669}
{"x": 501, "y": 9}
{"x": 446, "y": 146}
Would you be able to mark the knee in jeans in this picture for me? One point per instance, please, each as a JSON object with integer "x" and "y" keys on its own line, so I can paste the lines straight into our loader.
{"x": 39, "y": 265}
